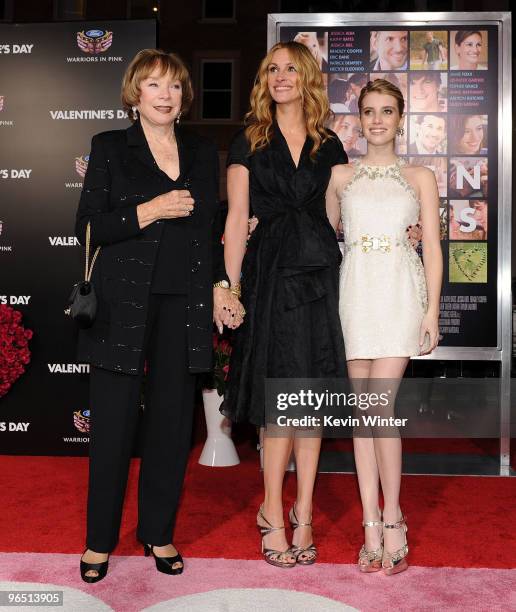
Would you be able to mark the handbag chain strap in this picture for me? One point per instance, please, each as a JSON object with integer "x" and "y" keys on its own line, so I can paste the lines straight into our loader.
{"x": 89, "y": 269}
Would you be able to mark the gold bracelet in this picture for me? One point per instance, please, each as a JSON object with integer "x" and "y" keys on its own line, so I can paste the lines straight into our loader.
{"x": 223, "y": 284}
{"x": 236, "y": 290}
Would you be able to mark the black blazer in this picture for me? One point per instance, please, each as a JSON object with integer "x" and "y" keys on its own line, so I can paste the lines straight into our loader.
{"x": 121, "y": 174}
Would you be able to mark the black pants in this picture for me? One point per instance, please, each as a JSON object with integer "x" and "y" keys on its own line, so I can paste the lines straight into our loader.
{"x": 115, "y": 400}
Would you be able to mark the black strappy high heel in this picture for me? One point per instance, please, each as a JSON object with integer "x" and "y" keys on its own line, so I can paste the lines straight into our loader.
{"x": 100, "y": 568}
{"x": 165, "y": 564}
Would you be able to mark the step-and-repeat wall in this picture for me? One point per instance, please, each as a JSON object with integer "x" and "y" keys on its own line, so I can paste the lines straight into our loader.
{"x": 454, "y": 70}
{"x": 449, "y": 77}
{"x": 59, "y": 85}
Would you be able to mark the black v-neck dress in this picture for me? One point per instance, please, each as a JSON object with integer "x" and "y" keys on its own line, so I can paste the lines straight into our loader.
{"x": 289, "y": 275}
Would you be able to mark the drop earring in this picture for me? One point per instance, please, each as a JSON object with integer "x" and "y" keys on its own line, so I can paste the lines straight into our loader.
{"x": 135, "y": 113}
{"x": 400, "y": 131}
{"x": 178, "y": 117}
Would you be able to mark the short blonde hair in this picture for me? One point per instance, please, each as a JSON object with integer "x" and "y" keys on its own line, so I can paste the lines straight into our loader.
{"x": 142, "y": 65}
{"x": 382, "y": 86}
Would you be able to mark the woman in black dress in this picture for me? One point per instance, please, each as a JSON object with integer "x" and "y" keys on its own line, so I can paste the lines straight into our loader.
{"x": 280, "y": 165}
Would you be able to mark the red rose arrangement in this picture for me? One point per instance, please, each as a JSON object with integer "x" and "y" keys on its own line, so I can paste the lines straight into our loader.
{"x": 14, "y": 347}
{"x": 222, "y": 353}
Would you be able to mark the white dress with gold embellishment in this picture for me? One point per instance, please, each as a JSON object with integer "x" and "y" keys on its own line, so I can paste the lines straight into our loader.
{"x": 383, "y": 293}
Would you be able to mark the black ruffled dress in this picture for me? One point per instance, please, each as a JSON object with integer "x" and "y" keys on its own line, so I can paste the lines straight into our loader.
{"x": 289, "y": 275}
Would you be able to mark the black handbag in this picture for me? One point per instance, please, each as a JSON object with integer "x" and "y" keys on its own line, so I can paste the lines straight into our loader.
{"x": 82, "y": 303}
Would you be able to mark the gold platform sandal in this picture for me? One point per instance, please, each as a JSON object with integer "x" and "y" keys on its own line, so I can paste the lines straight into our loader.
{"x": 310, "y": 552}
{"x": 371, "y": 560}
{"x": 396, "y": 562}
{"x": 278, "y": 558}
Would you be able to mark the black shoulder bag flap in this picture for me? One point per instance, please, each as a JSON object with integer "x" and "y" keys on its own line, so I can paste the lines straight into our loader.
{"x": 82, "y": 303}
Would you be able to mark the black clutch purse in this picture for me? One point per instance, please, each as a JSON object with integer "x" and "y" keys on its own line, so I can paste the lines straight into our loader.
{"x": 82, "y": 303}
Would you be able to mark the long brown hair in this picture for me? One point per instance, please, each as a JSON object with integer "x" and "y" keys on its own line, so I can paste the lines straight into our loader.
{"x": 316, "y": 107}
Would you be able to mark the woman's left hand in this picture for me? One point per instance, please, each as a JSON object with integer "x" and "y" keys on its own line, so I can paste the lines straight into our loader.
{"x": 252, "y": 225}
{"x": 430, "y": 326}
{"x": 227, "y": 309}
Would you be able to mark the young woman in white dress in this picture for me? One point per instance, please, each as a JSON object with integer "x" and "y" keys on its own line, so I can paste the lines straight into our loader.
{"x": 389, "y": 304}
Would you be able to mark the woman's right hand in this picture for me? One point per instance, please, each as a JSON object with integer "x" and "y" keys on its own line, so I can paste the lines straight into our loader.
{"x": 414, "y": 234}
{"x": 173, "y": 204}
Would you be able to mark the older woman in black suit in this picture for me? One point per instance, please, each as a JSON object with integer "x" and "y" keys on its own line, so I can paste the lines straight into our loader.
{"x": 150, "y": 197}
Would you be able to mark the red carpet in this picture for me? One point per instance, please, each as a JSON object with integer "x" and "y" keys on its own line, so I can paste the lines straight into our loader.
{"x": 453, "y": 521}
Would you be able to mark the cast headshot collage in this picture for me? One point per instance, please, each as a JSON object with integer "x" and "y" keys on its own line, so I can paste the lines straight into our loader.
{"x": 442, "y": 75}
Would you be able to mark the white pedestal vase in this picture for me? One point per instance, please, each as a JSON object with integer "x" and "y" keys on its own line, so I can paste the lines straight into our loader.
{"x": 219, "y": 450}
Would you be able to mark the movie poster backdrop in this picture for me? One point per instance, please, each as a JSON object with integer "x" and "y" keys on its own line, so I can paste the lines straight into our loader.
{"x": 449, "y": 80}
{"x": 59, "y": 85}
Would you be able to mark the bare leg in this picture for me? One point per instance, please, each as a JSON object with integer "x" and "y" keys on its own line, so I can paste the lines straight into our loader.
{"x": 276, "y": 453}
{"x": 388, "y": 449}
{"x": 307, "y": 448}
{"x": 365, "y": 459}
